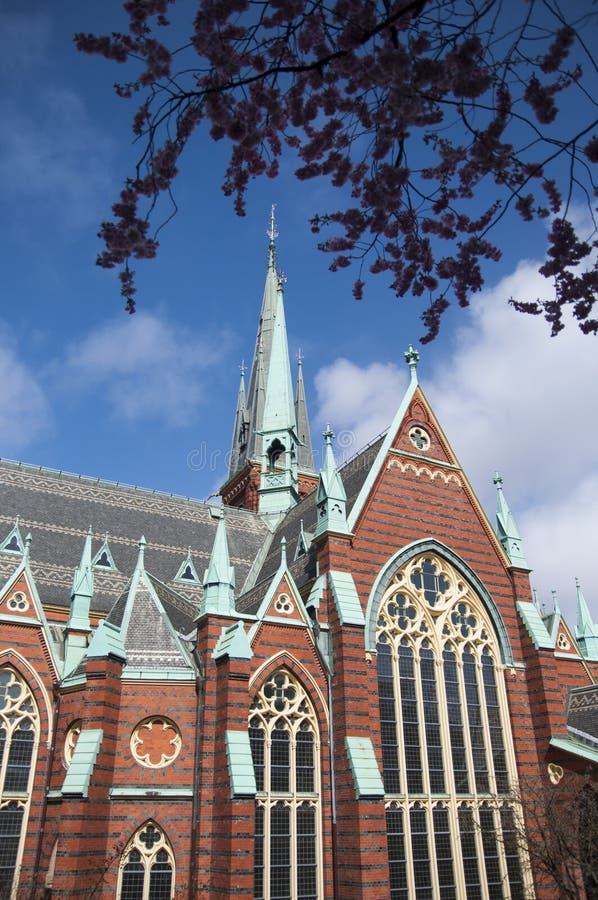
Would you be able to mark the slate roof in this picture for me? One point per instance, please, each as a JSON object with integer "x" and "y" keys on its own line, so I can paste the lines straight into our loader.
{"x": 353, "y": 475}
{"x": 58, "y": 508}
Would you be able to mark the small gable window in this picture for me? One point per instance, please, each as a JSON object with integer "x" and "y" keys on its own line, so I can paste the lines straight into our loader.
{"x": 13, "y": 542}
{"x": 147, "y": 866}
{"x": 103, "y": 558}
{"x": 187, "y": 572}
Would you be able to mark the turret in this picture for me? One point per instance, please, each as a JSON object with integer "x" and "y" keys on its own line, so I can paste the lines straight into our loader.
{"x": 506, "y": 529}
{"x": 219, "y": 577}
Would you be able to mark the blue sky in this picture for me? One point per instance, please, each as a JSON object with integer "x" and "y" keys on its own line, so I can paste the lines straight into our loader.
{"x": 149, "y": 399}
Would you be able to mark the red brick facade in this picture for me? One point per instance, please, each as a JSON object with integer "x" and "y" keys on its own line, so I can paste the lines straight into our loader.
{"x": 74, "y": 843}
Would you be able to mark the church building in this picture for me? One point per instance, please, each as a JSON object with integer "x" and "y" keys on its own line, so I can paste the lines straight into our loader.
{"x": 334, "y": 684}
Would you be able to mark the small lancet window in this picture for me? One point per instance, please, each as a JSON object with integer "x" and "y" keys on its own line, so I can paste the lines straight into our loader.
{"x": 147, "y": 866}
{"x": 275, "y": 451}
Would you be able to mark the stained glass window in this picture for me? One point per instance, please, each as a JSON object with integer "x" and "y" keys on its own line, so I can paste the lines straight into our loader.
{"x": 147, "y": 866}
{"x": 446, "y": 745}
{"x": 284, "y": 739}
{"x": 19, "y": 735}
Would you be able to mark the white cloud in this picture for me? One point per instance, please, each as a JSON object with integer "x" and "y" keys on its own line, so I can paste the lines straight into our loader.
{"x": 359, "y": 403}
{"x": 24, "y": 409}
{"x": 509, "y": 397}
{"x": 146, "y": 368}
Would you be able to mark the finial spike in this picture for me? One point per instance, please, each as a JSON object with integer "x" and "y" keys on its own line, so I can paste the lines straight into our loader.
{"x": 283, "y": 551}
{"x": 140, "y": 558}
{"x": 272, "y": 232}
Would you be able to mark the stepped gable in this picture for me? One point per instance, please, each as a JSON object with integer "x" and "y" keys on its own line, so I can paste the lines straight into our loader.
{"x": 353, "y": 475}
{"x": 58, "y": 508}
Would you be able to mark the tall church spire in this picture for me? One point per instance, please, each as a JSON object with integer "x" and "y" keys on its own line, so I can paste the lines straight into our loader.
{"x": 271, "y": 436}
{"x": 260, "y": 366}
{"x": 305, "y": 455}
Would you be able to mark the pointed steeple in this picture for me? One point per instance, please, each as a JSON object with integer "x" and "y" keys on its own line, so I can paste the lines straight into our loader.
{"x": 261, "y": 356}
{"x": 219, "y": 577}
{"x": 305, "y": 457}
{"x": 279, "y": 406}
{"x": 78, "y": 627}
{"x": 506, "y": 529}
{"x": 82, "y": 590}
{"x": 241, "y": 426}
{"x": 266, "y": 416}
{"x": 586, "y": 631}
{"x": 331, "y": 499}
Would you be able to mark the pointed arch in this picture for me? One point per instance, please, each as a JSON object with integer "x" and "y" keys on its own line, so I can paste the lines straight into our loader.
{"x": 447, "y": 753}
{"x": 286, "y": 660}
{"x": 19, "y": 742}
{"x": 286, "y": 753}
{"x": 419, "y": 548}
{"x": 147, "y": 865}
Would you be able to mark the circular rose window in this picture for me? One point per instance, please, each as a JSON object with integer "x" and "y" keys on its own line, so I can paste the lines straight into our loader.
{"x": 156, "y": 742}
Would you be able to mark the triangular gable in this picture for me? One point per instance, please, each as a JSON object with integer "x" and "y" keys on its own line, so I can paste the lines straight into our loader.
{"x": 103, "y": 558}
{"x": 283, "y": 601}
{"x": 13, "y": 542}
{"x": 415, "y": 423}
{"x": 565, "y": 643}
{"x": 19, "y": 600}
{"x": 187, "y": 573}
{"x": 150, "y": 642}
{"x": 378, "y": 463}
{"x": 419, "y": 433}
{"x": 20, "y": 604}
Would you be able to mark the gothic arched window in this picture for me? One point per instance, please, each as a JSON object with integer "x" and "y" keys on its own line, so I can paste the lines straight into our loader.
{"x": 453, "y": 829}
{"x": 147, "y": 866}
{"x": 285, "y": 746}
{"x": 19, "y": 737}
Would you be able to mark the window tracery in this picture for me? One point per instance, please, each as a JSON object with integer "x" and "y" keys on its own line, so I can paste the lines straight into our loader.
{"x": 147, "y": 866}
{"x": 447, "y": 756}
{"x": 284, "y": 737}
{"x": 19, "y": 737}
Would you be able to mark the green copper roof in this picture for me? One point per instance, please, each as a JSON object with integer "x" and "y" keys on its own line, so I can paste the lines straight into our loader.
{"x": 219, "y": 577}
{"x": 106, "y": 641}
{"x": 346, "y": 598}
{"x": 240, "y": 427}
{"x": 575, "y": 747}
{"x": 82, "y": 590}
{"x": 331, "y": 498}
{"x": 279, "y": 405}
{"x": 78, "y": 776}
{"x": 233, "y": 642}
{"x": 261, "y": 361}
{"x": 364, "y": 767}
{"x": 506, "y": 529}
{"x": 240, "y": 764}
{"x": 586, "y": 631}
{"x": 305, "y": 455}
{"x": 535, "y": 626}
